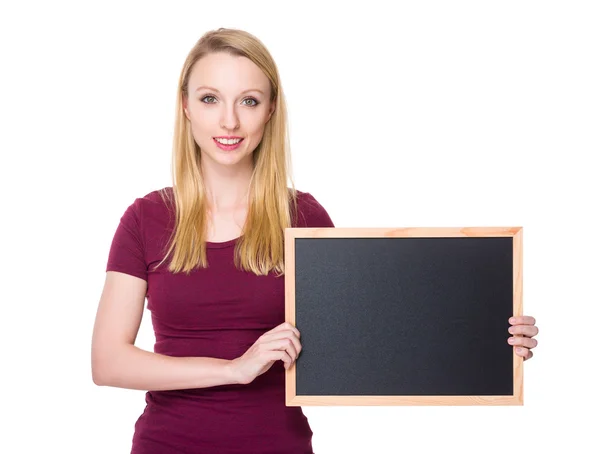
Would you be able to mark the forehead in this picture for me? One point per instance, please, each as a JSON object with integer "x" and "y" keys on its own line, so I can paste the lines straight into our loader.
{"x": 227, "y": 73}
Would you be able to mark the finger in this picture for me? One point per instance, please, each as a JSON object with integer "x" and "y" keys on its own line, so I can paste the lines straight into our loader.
{"x": 285, "y": 326}
{"x": 525, "y": 330}
{"x": 279, "y": 335}
{"x": 282, "y": 355}
{"x": 283, "y": 344}
{"x": 522, "y": 351}
{"x": 289, "y": 346}
{"x": 522, "y": 320}
{"x": 523, "y": 342}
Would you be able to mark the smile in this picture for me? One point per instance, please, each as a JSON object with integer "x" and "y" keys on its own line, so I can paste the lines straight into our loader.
{"x": 228, "y": 144}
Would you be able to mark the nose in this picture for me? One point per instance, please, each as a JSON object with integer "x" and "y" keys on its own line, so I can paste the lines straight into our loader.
{"x": 229, "y": 118}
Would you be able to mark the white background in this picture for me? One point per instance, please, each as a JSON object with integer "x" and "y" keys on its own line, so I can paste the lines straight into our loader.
{"x": 414, "y": 114}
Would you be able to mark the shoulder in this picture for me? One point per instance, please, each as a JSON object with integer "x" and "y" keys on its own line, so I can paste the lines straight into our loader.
{"x": 307, "y": 200}
{"x": 159, "y": 196}
{"x": 310, "y": 211}
{"x": 158, "y": 199}
{"x": 156, "y": 204}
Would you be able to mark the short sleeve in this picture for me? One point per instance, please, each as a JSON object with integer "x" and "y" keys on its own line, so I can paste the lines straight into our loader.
{"x": 316, "y": 215}
{"x": 126, "y": 253}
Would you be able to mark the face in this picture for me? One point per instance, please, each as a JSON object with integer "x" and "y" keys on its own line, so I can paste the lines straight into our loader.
{"x": 228, "y": 96}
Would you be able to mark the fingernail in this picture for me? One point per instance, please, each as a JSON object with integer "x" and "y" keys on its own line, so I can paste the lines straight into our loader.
{"x": 519, "y": 350}
{"x": 512, "y": 320}
{"x": 511, "y": 330}
{"x": 511, "y": 340}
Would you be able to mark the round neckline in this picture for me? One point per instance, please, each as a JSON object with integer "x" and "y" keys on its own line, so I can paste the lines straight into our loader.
{"x": 222, "y": 244}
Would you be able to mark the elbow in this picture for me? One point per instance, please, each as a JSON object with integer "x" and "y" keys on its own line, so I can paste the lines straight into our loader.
{"x": 100, "y": 371}
{"x": 105, "y": 365}
{"x": 99, "y": 376}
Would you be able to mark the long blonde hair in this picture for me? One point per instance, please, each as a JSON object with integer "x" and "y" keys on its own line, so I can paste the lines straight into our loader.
{"x": 260, "y": 248}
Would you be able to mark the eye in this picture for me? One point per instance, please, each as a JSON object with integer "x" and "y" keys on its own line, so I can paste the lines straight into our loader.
{"x": 256, "y": 103}
{"x": 208, "y": 96}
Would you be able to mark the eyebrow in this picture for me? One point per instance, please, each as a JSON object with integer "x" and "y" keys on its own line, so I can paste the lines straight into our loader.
{"x": 214, "y": 89}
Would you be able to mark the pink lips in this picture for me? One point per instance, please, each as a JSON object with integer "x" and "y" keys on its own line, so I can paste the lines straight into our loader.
{"x": 228, "y": 147}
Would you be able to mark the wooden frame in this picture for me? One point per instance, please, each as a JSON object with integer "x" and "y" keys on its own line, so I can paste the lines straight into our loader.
{"x": 290, "y": 312}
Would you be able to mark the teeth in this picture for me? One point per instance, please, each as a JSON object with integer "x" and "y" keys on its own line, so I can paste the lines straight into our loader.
{"x": 228, "y": 141}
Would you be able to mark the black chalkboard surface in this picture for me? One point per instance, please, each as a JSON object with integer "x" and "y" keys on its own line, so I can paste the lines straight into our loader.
{"x": 415, "y": 316}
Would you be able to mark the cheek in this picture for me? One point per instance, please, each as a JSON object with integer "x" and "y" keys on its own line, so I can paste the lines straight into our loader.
{"x": 200, "y": 134}
{"x": 257, "y": 126}
{"x": 203, "y": 124}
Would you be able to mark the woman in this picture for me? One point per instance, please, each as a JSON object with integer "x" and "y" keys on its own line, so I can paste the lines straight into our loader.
{"x": 216, "y": 377}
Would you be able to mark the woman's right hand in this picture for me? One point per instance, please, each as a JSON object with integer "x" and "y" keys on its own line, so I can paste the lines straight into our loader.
{"x": 281, "y": 343}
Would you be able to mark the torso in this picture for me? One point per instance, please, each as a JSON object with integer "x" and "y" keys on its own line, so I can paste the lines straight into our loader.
{"x": 218, "y": 312}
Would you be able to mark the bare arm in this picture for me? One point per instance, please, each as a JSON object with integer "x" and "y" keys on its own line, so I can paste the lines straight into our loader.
{"x": 116, "y": 361}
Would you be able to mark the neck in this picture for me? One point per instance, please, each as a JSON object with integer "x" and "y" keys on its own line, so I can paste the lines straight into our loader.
{"x": 227, "y": 188}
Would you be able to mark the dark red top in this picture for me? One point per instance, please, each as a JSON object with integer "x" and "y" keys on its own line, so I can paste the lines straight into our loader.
{"x": 217, "y": 312}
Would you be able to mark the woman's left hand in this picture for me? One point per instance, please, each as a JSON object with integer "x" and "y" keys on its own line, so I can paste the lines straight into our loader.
{"x": 525, "y": 326}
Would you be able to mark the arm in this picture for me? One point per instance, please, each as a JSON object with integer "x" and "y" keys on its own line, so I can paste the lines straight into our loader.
{"x": 116, "y": 361}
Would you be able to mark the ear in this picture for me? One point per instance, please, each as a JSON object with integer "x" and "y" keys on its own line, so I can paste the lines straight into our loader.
{"x": 184, "y": 102}
{"x": 272, "y": 109}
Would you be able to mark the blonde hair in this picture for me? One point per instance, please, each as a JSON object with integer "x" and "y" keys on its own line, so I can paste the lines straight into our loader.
{"x": 260, "y": 248}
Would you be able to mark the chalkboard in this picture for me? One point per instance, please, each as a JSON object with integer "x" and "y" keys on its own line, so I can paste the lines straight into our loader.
{"x": 413, "y": 316}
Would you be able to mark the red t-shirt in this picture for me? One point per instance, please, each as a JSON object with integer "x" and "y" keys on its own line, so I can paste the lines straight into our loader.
{"x": 216, "y": 312}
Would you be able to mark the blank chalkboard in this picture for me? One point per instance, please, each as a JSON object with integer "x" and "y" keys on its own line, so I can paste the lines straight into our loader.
{"x": 414, "y": 316}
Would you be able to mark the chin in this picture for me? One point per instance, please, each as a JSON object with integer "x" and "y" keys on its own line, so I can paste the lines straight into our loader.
{"x": 229, "y": 158}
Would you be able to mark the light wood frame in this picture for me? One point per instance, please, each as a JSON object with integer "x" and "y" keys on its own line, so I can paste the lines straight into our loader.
{"x": 338, "y": 232}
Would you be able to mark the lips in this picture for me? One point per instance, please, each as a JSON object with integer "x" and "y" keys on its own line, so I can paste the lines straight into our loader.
{"x": 228, "y": 147}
